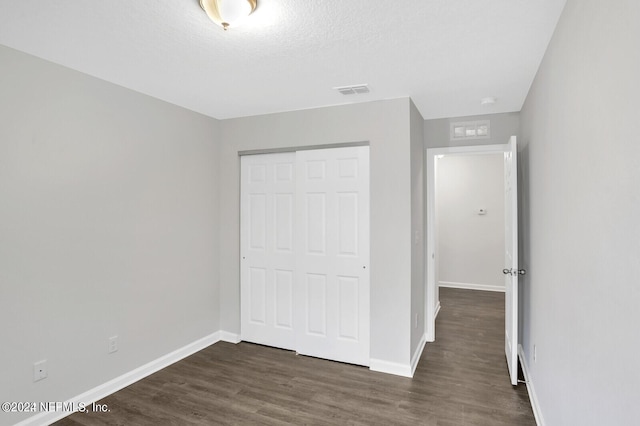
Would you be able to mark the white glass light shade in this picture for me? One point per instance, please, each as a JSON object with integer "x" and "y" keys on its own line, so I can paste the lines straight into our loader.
{"x": 228, "y": 13}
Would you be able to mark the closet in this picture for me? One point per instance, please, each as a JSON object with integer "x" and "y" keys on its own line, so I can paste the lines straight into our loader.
{"x": 305, "y": 252}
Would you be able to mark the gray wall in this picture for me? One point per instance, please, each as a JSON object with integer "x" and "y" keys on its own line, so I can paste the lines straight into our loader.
{"x": 503, "y": 126}
{"x": 581, "y": 218}
{"x": 385, "y": 125}
{"x": 108, "y": 226}
{"x": 470, "y": 246}
{"x": 417, "y": 229}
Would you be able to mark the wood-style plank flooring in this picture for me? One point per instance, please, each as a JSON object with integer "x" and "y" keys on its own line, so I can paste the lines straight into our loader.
{"x": 461, "y": 379}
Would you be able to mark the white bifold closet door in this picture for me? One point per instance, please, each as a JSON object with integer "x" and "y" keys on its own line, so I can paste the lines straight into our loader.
{"x": 305, "y": 252}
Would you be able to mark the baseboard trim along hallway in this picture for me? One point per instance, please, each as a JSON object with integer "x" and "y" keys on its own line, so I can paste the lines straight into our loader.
{"x": 471, "y": 286}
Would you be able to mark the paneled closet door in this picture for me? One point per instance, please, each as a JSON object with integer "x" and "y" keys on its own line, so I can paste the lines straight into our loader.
{"x": 332, "y": 251}
{"x": 268, "y": 259}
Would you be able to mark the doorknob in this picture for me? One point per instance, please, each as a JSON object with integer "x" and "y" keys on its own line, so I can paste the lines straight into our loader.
{"x": 514, "y": 271}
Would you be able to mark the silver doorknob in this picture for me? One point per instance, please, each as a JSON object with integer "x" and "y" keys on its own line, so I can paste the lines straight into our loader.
{"x": 514, "y": 271}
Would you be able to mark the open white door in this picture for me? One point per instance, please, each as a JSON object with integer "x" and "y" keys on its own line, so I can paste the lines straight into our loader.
{"x": 511, "y": 271}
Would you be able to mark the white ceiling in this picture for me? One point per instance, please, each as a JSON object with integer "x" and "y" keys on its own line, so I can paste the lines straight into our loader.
{"x": 445, "y": 54}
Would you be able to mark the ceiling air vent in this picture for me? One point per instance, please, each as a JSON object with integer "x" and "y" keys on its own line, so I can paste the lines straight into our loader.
{"x": 356, "y": 89}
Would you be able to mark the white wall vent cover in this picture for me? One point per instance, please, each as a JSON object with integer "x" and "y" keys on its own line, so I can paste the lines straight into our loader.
{"x": 470, "y": 130}
{"x": 356, "y": 89}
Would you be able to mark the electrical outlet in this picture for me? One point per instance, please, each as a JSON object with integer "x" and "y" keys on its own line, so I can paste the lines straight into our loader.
{"x": 535, "y": 353}
{"x": 113, "y": 344}
{"x": 40, "y": 370}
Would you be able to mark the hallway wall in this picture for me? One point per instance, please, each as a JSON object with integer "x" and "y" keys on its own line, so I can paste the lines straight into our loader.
{"x": 470, "y": 245}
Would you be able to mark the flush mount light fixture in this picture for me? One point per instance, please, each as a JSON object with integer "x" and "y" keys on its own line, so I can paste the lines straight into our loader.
{"x": 228, "y": 13}
{"x": 490, "y": 100}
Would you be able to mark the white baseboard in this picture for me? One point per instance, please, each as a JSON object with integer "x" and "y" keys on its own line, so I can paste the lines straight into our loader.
{"x": 535, "y": 405}
{"x": 430, "y": 335}
{"x": 388, "y": 367}
{"x": 226, "y": 336}
{"x": 417, "y": 354}
{"x": 471, "y": 286}
{"x": 106, "y": 389}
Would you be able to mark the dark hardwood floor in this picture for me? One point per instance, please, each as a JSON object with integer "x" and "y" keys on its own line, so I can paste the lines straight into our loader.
{"x": 461, "y": 379}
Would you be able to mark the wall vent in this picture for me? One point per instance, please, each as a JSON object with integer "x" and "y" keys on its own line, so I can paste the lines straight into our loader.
{"x": 356, "y": 89}
{"x": 470, "y": 130}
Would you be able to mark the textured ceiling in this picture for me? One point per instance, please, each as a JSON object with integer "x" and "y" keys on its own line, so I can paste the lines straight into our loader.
{"x": 445, "y": 54}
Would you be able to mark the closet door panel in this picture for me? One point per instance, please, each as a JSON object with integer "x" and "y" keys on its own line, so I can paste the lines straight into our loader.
{"x": 267, "y": 270}
{"x": 332, "y": 191}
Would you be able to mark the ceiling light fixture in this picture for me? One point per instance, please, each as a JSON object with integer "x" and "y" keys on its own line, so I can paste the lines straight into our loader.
{"x": 488, "y": 101}
{"x": 228, "y": 13}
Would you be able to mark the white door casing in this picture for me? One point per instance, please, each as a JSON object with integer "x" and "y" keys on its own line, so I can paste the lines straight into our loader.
{"x": 267, "y": 249}
{"x": 305, "y": 252}
{"x": 432, "y": 299}
{"x": 333, "y": 254}
{"x": 511, "y": 259}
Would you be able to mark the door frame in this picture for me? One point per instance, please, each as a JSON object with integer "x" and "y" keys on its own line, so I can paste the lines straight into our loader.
{"x": 432, "y": 299}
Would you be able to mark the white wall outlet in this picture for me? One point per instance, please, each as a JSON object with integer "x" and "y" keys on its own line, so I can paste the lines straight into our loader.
{"x": 535, "y": 353}
{"x": 40, "y": 370}
{"x": 113, "y": 344}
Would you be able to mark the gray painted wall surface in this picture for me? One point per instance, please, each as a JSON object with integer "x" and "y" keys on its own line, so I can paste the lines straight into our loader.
{"x": 108, "y": 226}
{"x": 581, "y": 225}
{"x": 386, "y": 126}
{"x": 470, "y": 246}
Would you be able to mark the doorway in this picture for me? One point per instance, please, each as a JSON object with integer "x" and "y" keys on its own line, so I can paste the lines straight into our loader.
{"x": 476, "y": 215}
